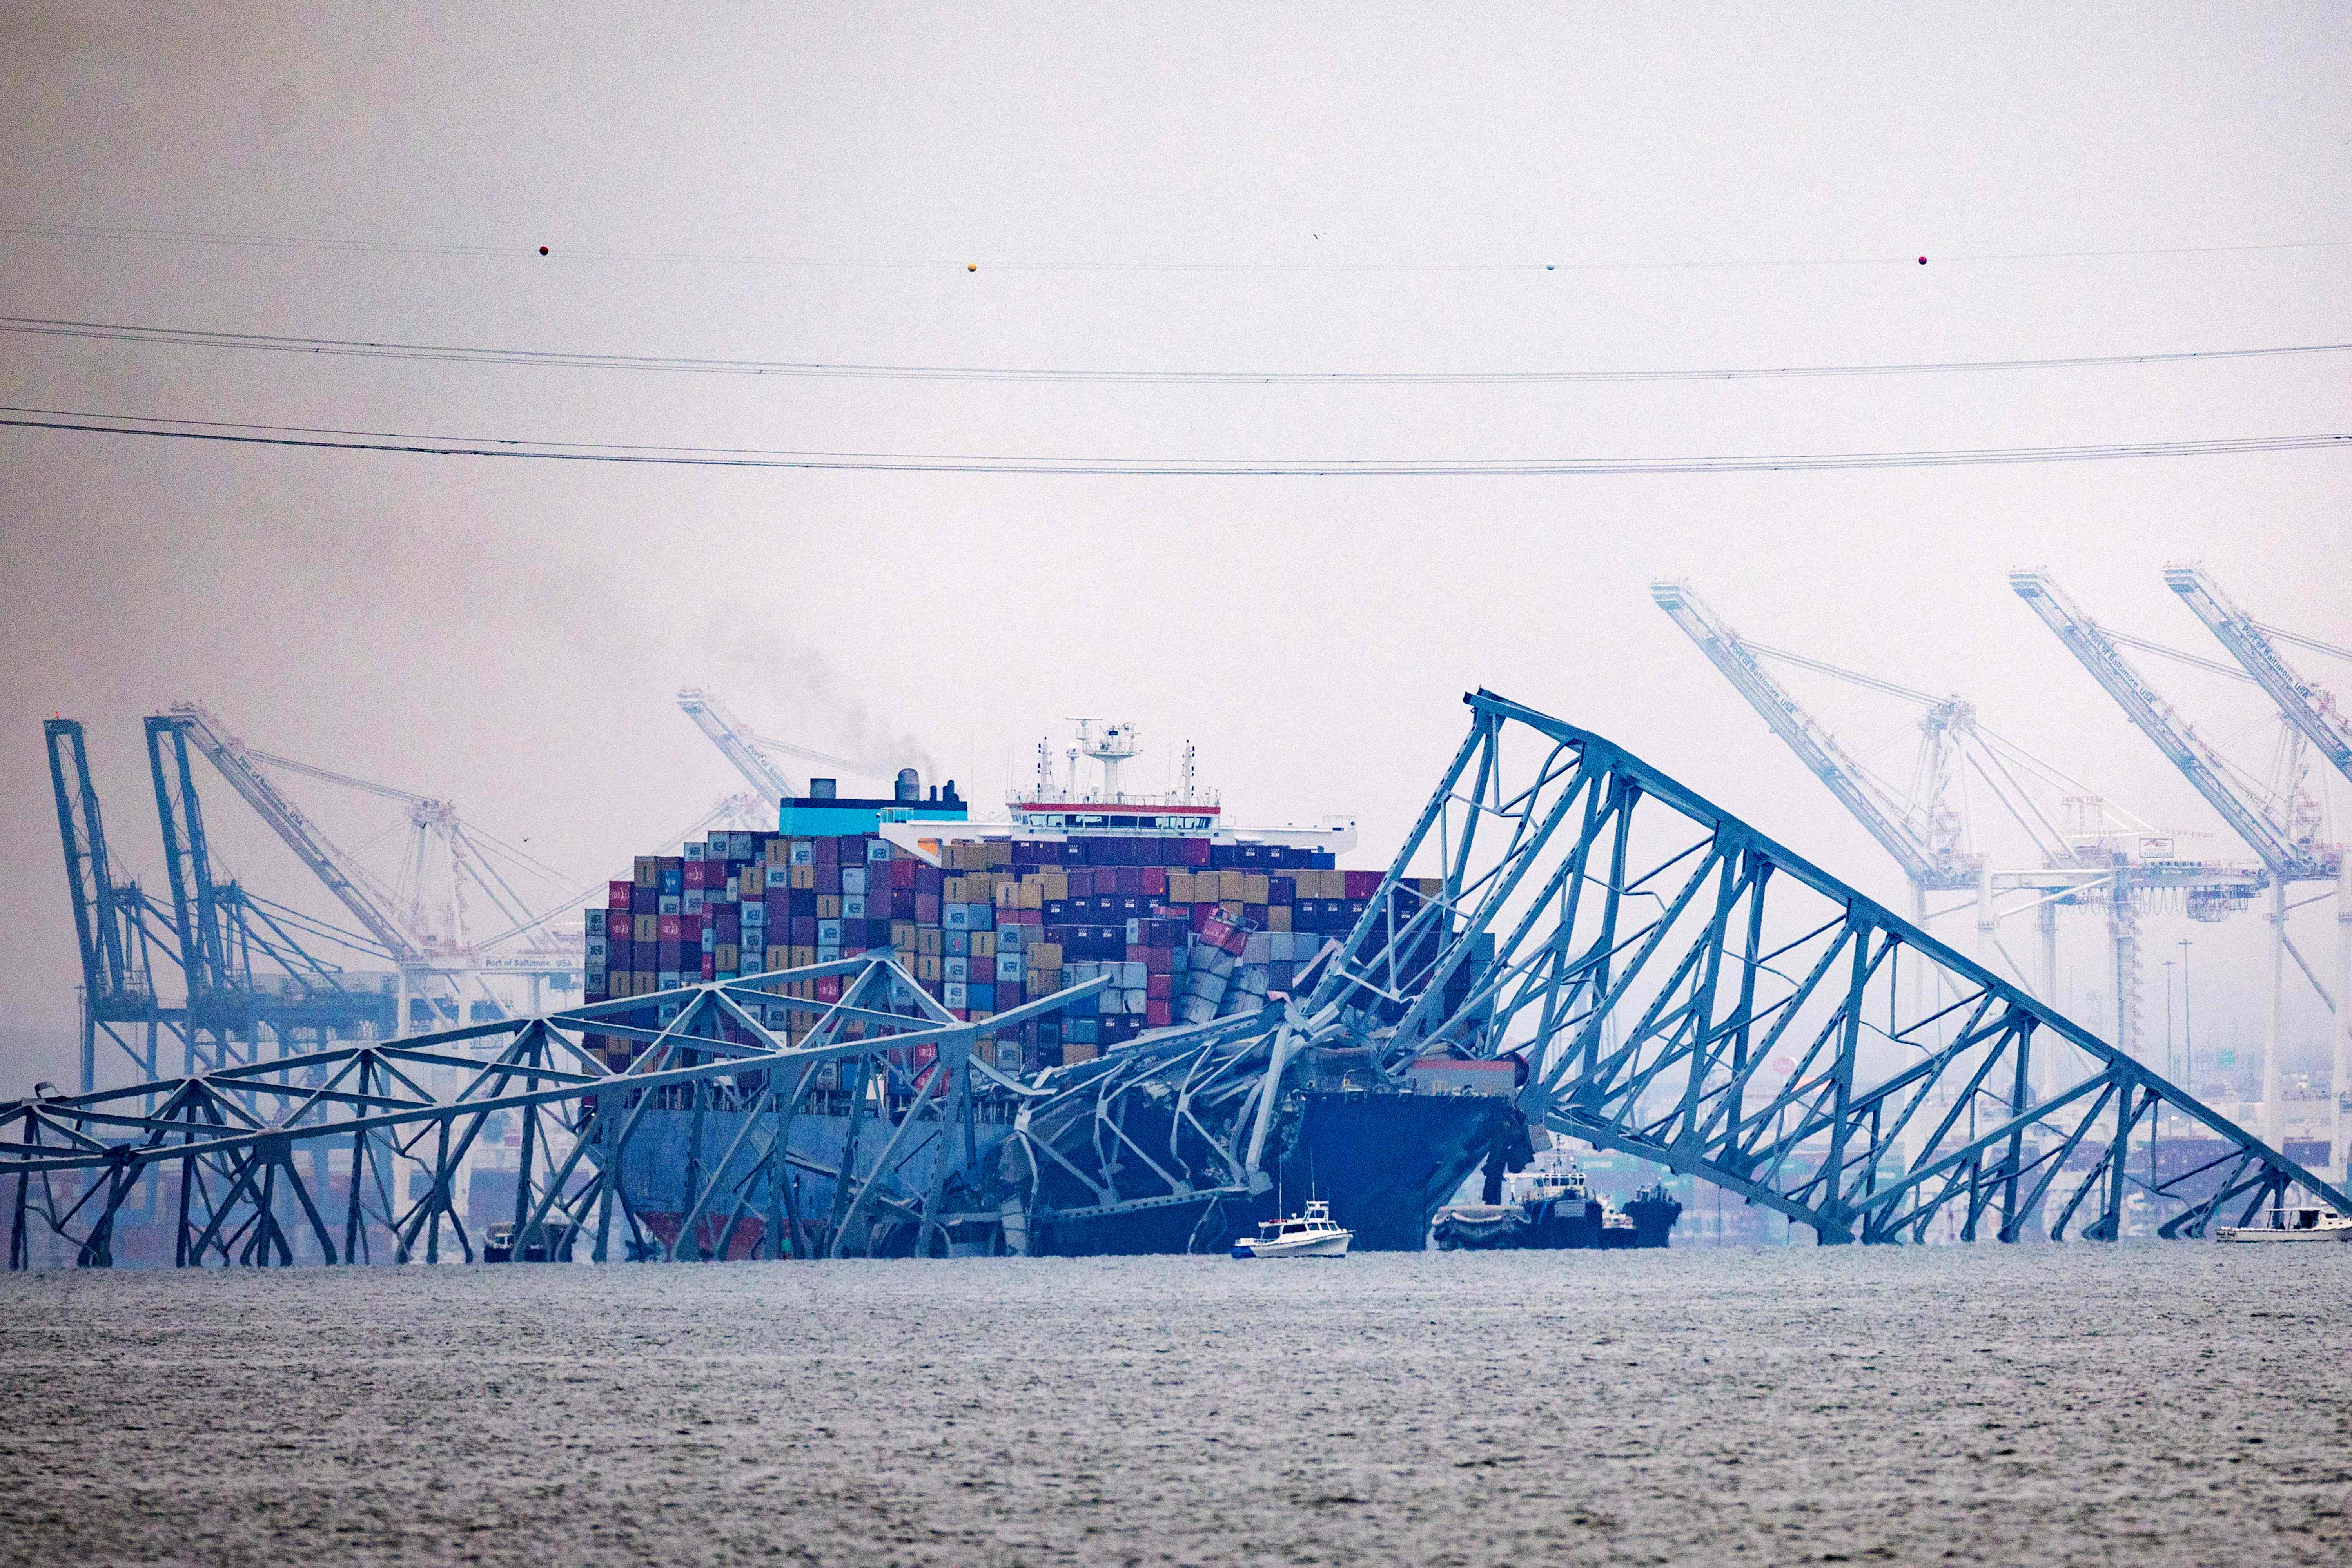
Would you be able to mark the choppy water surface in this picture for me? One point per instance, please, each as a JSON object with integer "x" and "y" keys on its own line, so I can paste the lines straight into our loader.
{"x": 2184, "y": 1404}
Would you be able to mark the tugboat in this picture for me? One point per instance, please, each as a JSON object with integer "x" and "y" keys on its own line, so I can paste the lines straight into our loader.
{"x": 2290, "y": 1224}
{"x": 1314, "y": 1234}
{"x": 1551, "y": 1207}
{"x": 1653, "y": 1212}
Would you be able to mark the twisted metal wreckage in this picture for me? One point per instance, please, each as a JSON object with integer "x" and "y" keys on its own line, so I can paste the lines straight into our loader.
{"x": 1679, "y": 987}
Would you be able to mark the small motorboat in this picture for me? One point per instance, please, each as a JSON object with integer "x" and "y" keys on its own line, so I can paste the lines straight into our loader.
{"x": 2290, "y": 1224}
{"x": 1314, "y": 1234}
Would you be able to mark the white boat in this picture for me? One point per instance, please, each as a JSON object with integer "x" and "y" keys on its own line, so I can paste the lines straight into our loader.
{"x": 2290, "y": 1224}
{"x": 1311, "y": 1235}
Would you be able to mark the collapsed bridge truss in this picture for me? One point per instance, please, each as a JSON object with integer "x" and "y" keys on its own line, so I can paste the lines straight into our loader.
{"x": 251, "y": 1151}
{"x": 1679, "y": 986}
{"x": 1686, "y": 990}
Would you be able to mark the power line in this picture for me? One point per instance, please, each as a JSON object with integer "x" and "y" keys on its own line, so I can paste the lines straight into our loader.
{"x": 917, "y": 462}
{"x": 357, "y": 348}
{"x": 525, "y": 251}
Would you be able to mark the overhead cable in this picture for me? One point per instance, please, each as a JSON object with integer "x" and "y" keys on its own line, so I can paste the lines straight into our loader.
{"x": 947, "y": 463}
{"x": 524, "y": 251}
{"x": 358, "y": 348}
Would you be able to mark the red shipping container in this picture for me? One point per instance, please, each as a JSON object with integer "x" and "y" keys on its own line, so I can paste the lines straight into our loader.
{"x": 926, "y": 1054}
{"x": 1156, "y": 1014}
{"x": 697, "y": 873}
{"x": 1160, "y": 960}
{"x": 670, "y": 928}
{"x": 1155, "y": 881}
{"x": 1196, "y": 851}
{"x": 1127, "y": 881}
{"x": 689, "y": 929}
{"x": 709, "y": 967}
{"x": 902, "y": 874}
{"x": 617, "y": 895}
{"x": 828, "y": 853}
{"x": 1201, "y": 914}
{"x": 1082, "y": 882}
{"x": 1361, "y": 884}
{"x": 1158, "y": 985}
{"x": 828, "y": 986}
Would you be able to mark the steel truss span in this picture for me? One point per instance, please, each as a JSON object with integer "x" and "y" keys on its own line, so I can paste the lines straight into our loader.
{"x": 1680, "y": 988}
{"x": 251, "y": 1146}
{"x": 1686, "y": 990}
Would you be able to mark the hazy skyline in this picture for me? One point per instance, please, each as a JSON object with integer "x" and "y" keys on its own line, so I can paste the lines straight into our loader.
{"x": 1119, "y": 188}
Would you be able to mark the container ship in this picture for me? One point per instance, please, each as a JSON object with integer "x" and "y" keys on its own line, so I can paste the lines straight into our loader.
{"x": 1187, "y": 917}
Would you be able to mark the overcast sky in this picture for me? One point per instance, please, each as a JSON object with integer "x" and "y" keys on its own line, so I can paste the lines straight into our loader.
{"x": 1358, "y": 188}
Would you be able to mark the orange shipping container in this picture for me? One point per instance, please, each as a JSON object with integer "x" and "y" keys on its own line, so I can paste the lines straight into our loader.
{"x": 1277, "y": 917}
{"x": 1054, "y": 885}
{"x": 1073, "y": 1052}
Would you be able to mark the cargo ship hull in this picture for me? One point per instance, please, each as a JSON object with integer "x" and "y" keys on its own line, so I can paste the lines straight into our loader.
{"x": 1384, "y": 1162}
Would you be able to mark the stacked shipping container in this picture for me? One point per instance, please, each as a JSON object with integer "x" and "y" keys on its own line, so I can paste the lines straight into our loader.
{"x": 1184, "y": 930}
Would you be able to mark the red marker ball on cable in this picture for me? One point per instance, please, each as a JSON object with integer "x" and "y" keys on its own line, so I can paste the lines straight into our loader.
{"x": 542, "y": 250}
{"x": 1922, "y": 261}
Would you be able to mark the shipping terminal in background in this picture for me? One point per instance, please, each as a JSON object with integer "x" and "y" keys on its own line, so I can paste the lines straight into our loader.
{"x": 1152, "y": 1086}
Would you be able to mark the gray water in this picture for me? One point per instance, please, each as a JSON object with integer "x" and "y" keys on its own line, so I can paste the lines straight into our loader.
{"x": 2158, "y": 1404}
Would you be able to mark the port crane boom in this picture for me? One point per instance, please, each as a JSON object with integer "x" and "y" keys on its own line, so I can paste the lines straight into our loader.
{"x": 1930, "y": 858}
{"x": 329, "y": 864}
{"x": 2098, "y": 652}
{"x": 736, "y": 743}
{"x": 2308, "y": 708}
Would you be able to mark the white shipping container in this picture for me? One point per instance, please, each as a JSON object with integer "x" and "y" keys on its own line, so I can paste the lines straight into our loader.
{"x": 952, "y": 994}
{"x": 1135, "y": 1001}
{"x": 1132, "y": 975}
{"x": 1256, "y": 948}
{"x": 853, "y": 906}
{"x": 852, "y": 880}
{"x": 956, "y": 970}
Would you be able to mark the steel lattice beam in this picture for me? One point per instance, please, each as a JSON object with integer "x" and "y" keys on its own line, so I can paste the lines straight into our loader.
{"x": 1686, "y": 990}
{"x": 239, "y": 1137}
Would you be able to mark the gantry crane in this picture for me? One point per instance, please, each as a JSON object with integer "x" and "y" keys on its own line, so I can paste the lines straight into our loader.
{"x": 114, "y": 926}
{"x": 2312, "y": 710}
{"x": 2275, "y": 830}
{"x": 430, "y": 947}
{"x": 2088, "y": 853}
